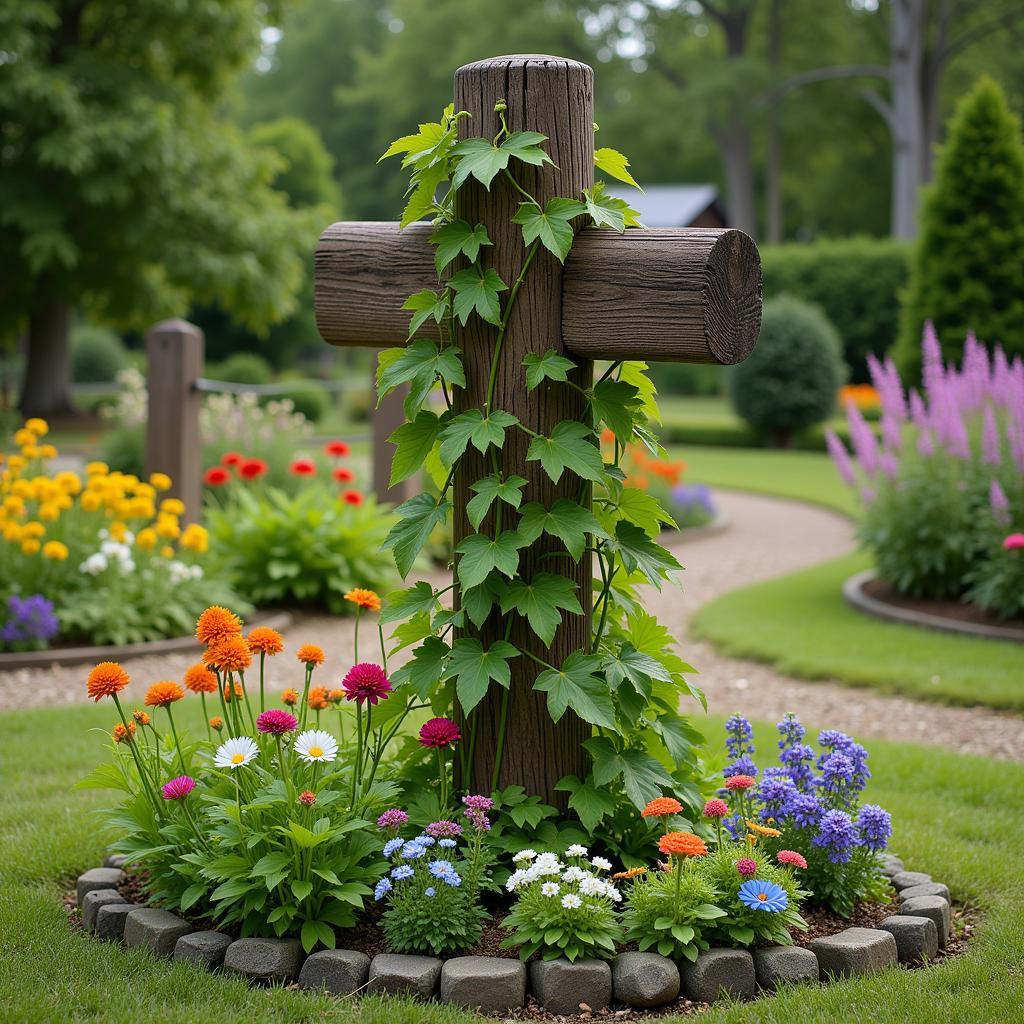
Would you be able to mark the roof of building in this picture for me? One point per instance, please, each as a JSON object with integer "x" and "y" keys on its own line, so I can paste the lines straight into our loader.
{"x": 668, "y": 206}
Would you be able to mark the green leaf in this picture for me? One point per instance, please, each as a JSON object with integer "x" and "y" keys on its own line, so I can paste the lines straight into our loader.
{"x": 633, "y": 372}
{"x": 316, "y": 931}
{"x": 590, "y": 802}
{"x": 474, "y": 668}
{"x": 413, "y": 631}
{"x": 645, "y": 511}
{"x": 525, "y": 146}
{"x": 401, "y": 604}
{"x": 684, "y": 933}
{"x": 571, "y": 447}
{"x": 607, "y": 764}
{"x": 415, "y": 147}
{"x": 617, "y": 404}
{"x": 638, "y": 551}
{"x": 490, "y": 487}
{"x": 417, "y": 518}
{"x": 301, "y": 889}
{"x": 303, "y": 837}
{"x": 480, "y": 554}
{"x": 548, "y": 365}
{"x": 413, "y": 442}
{"x": 609, "y": 211}
{"x": 551, "y": 225}
{"x": 426, "y": 304}
{"x": 614, "y": 164}
{"x": 418, "y": 365}
{"x": 566, "y": 520}
{"x": 478, "y": 601}
{"x": 643, "y": 777}
{"x": 458, "y": 237}
{"x": 192, "y": 895}
{"x": 576, "y": 686}
{"x": 638, "y": 668}
{"x": 424, "y": 671}
{"x": 477, "y": 290}
{"x": 480, "y": 159}
{"x": 271, "y": 863}
{"x": 473, "y": 426}
{"x": 539, "y": 602}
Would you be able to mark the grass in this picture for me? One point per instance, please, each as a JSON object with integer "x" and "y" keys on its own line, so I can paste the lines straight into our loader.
{"x": 960, "y": 818}
{"x": 801, "y": 625}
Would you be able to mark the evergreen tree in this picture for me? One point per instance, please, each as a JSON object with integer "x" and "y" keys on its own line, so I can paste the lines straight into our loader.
{"x": 968, "y": 267}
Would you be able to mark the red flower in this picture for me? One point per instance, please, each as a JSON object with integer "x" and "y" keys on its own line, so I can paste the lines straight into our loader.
{"x": 343, "y": 475}
{"x": 792, "y": 858}
{"x": 216, "y": 476}
{"x": 439, "y": 732}
{"x": 231, "y": 459}
{"x": 1013, "y": 542}
{"x": 352, "y": 498}
{"x": 366, "y": 682}
{"x": 716, "y": 809}
{"x": 740, "y": 782}
{"x": 252, "y": 468}
{"x": 338, "y": 449}
{"x": 303, "y": 467}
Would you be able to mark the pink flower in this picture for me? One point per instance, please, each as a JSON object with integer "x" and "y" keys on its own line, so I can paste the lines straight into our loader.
{"x": 394, "y": 818}
{"x": 366, "y": 683}
{"x": 444, "y": 829}
{"x": 439, "y": 732}
{"x": 179, "y": 788}
{"x": 716, "y": 809}
{"x": 276, "y": 722}
{"x": 792, "y": 858}
{"x": 1013, "y": 542}
{"x": 307, "y": 798}
{"x": 740, "y": 782}
{"x": 478, "y": 803}
{"x": 747, "y": 867}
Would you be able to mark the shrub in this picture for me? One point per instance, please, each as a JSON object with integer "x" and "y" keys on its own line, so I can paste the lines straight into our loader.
{"x": 309, "y": 401}
{"x": 790, "y": 381}
{"x": 686, "y": 379}
{"x": 242, "y": 368}
{"x": 857, "y": 283}
{"x": 97, "y": 354}
{"x": 968, "y": 267}
{"x": 124, "y": 450}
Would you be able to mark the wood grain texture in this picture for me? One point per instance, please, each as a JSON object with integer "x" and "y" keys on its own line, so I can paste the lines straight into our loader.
{"x": 552, "y": 96}
{"x": 674, "y": 294}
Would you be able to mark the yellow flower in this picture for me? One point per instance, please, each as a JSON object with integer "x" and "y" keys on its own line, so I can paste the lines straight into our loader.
{"x": 37, "y": 426}
{"x": 30, "y": 546}
{"x": 118, "y": 530}
{"x": 145, "y": 491}
{"x": 64, "y": 501}
{"x": 97, "y": 469}
{"x": 139, "y": 508}
{"x": 167, "y": 526}
{"x": 131, "y": 481}
{"x": 49, "y": 511}
{"x": 33, "y": 529}
{"x": 161, "y": 481}
{"x": 145, "y": 539}
{"x": 47, "y": 451}
{"x": 55, "y": 550}
{"x": 23, "y": 489}
{"x": 14, "y": 503}
{"x": 12, "y": 532}
{"x": 91, "y": 501}
{"x": 68, "y": 482}
{"x": 173, "y": 506}
{"x": 24, "y": 437}
{"x": 196, "y": 538}
{"x": 16, "y": 462}
{"x": 31, "y": 451}
{"x": 167, "y": 551}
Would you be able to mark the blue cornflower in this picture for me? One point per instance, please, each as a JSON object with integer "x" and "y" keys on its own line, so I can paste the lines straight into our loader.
{"x": 805, "y": 810}
{"x": 446, "y": 844}
{"x": 836, "y": 835}
{"x": 412, "y": 850}
{"x": 759, "y": 894}
{"x": 833, "y": 740}
{"x": 391, "y": 845}
{"x": 798, "y": 759}
{"x": 440, "y": 868}
{"x": 402, "y": 872}
{"x": 743, "y": 765}
{"x": 424, "y": 840}
{"x": 430, "y": 891}
{"x": 792, "y": 731}
{"x": 875, "y": 826}
{"x": 776, "y": 792}
{"x": 383, "y": 888}
{"x": 452, "y": 878}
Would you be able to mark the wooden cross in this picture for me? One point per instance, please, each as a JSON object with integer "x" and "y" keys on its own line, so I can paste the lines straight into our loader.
{"x": 685, "y": 295}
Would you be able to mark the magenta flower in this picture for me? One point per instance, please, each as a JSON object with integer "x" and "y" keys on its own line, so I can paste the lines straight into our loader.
{"x": 366, "y": 683}
{"x": 747, "y": 867}
{"x": 179, "y": 788}
{"x": 276, "y": 722}
{"x": 716, "y": 809}
{"x": 1013, "y": 542}
{"x": 478, "y": 803}
{"x": 439, "y": 732}
{"x": 444, "y": 829}
{"x": 394, "y": 818}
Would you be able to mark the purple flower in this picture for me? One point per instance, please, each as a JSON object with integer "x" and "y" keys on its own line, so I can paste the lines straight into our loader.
{"x": 990, "y": 451}
{"x": 776, "y": 792}
{"x": 874, "y": 826}
{"x": 393, "y": 818}
{"x": 276, "y": 722}
{"x": 444, "y": 829}
{"x": 797, "y": 760}
{"x": 840, "y": 457}
{"x": 805, "y": 810}
{"x": 837, "y": 836}
{"x": 179, "y": 788}
{"x": 30, "y": 620}
{"x": 862, "y": 438}
{"x": 999, "y": 503}
{"x": 478, "y": 803}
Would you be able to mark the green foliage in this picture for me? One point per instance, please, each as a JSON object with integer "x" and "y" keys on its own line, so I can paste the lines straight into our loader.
{"x": 309, "y": 401}
{"x": 242, "y": 368}
{"x": 310, "y": 548}
{"x": 968, "y": 268}
{"x": 97, "y": 354}
{"x": 444, "y": 923}
{"x": 791, "y": 379}
{"x": 856, "y": 281}
{"x": 305, "y": 170}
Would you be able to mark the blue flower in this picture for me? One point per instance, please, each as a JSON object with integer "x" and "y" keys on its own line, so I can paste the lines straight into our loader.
{"x": 440, "y": 868}
{"x": 412, "y": 850}
{"x": 430, "y": 891}
{"x": 446, "y": 844}
{"x": 452, "y": 878}
{"x": 875, "y": 826}
{"x": 805, "y": 810}
{"x": 837, "y": 836}
{"x": 743, "y": 765}
{"x": 383, "y": 888}
{"x": 761, "y": 895}
{"x": 776, "y": 792}
{"x": 792, "y": 731}
{"x": 424, "y": 840}
{"x": 402, "y": 872}
{"x": 391, "y": 845}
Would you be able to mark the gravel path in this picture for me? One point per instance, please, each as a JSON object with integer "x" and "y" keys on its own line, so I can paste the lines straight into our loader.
{"x": 764, "y": 537}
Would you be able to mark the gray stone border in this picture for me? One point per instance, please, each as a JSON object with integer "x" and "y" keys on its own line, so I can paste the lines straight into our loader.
{"x": 857, "y": 598}
{"x": 117, "y": 652}
{"x": 501, "y": 984}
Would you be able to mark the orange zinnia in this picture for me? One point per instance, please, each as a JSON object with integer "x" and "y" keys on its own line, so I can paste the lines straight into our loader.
{"x": 232, "y": 655}
{"x": 239, "y": 692}
{"x": 290, "y": 697}
{"x": 162, "y": 695}
{"x": 661, "y": 807}
{"x": 631, "y": 873}
{"x": 120, "y": 733}
{"x": 265, "y": 640}
{"x": 217, "y": 723}
{"x": 106, "y": 679}
{"x": 317, "y": 699}
{"x": 140, "y": 716}
{"x": 216, "y": 625}
{"x": 336, "y": 695}
{"x": 682, "y": 844}
{"x": 199, "y": 679}
{"x": 364, "y": 599}
{"x": 310, "y": 654}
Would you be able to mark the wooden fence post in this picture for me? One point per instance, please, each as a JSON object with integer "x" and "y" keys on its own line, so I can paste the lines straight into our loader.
{"x": 174, "y": 353}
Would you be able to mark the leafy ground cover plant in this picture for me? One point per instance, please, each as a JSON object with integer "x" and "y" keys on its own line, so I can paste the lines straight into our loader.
{"x": 109, "y": 556}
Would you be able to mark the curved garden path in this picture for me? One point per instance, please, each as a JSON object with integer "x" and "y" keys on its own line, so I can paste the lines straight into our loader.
{"x": 765, "y": 537}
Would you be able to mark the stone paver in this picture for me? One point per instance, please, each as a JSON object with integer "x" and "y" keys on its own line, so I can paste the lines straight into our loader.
{"x": 934, "y": 907}
{"x": 94, "y": 899}
{"x": 489, "y": 984}
{"x": 927, "y": 889}
{"x": 854, "y": 951}
{"x": 562, "y": 987}
{"x": 717, "y": 973}
{"x": 774, "y": 965}
{"x": 204, "y": 948}
{"x": 399, "y": 973}
{"x": 269, "y": 960}
{"x": 644, "y": 979}
{"x": 98, "y": 878}
{"x": 905, "y": 879}
{"x": 157, "y": 930}
{"x": 916, "y": 937}
{"x": 340, "y": 971}
{"x": 111, "y": 919}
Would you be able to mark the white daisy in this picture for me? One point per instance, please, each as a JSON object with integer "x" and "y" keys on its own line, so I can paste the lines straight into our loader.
{"x": 316, "y": 745}
{"x": 516, "y": 879}
{"x": 576, "y": 850}
{"x": 591, "y": 886}
{"x": 550, "y": 889}
{"x": 574, "y": 874}
{"x": 601, "y": 864}
{"x": 571, "y": 901}
{"x": 235, "y": 752}
{"x": 547, "y": 864}
{"x": 524, "y": 855}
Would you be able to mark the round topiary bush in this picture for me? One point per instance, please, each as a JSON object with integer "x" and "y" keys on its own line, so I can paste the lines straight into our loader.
{"x": 242, "y": 368}
{"x": 308, "y": 399}
{"x": 791, "y": 379}
{"x": 97, "y": 354}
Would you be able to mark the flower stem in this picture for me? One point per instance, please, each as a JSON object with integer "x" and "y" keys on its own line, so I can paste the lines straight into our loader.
{"x": 177, "y": 743}
{"x": 499, "y": 753}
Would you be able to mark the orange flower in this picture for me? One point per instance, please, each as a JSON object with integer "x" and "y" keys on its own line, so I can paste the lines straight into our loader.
{"x": 661, "y": 807}
{"x": 217, "y": 723}
{"x": 682, "y": 844}
{"x": 763, "y": 830}
{"x": 199, "y": 679}
{"x": 106, "y": 679}
{"x": 265, "y": 640}
{"x": 162, "y": 695}
{"x": 310, "y": 654}
{"x": 231, "y": 655}
{"x": 239, "y": 692}
{"x": 631, "y": 873}
{"x": 120, "y": 733}
{"x": 317, "y": 699}
{"x": 364, "y": 599}
{"x": 336, "y": 695}
{"x": 140, "y": 716}
{"x": 290, "y": 697}
{"x": 216, "y": 625}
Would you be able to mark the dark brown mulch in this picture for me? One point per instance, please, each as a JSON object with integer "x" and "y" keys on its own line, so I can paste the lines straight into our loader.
{"x": 823, "y": 921}
{"x": 959, "y": 611}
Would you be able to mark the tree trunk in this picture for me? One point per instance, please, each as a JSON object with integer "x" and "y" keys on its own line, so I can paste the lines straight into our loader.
{"x": 553, "y": 96}
{"x": 46, "y": 387}
{"x": 906, "y": 55}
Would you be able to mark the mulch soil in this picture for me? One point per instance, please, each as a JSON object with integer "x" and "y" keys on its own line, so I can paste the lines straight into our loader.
{"x": 959, "y": 611}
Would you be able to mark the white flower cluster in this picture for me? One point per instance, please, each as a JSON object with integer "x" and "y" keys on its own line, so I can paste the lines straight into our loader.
{"x": 548, "y": 866}
{"x": 179, "y": 572}
{"x": 111, "y": 553}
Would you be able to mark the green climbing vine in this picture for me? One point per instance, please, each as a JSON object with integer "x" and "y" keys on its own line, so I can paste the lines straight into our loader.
{"x": 628, "y": 682}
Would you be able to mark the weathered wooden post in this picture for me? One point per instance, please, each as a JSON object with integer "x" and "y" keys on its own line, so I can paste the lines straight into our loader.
{"x": 174, "y": 354}
{"x": 688, "y": 295}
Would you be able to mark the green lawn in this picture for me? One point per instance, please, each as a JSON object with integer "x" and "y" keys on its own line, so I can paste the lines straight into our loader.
{"x": 960, "y": 818}
{"x": 801, "y": 625}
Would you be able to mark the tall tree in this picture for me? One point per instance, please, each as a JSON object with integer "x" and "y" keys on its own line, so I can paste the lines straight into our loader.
{"x": 123, "y": 188}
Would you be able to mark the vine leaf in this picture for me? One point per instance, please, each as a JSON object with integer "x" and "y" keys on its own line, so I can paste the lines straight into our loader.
{"x": 568, "y": 447}
{"x": 400, "y": 604}
{"x": 609, "y": 211}
{"x": 576, "y": 686}
{"x": 547, "y": 365}
{"x": 679, "y": 737}
{"x": 425, "y": 669}
{"x": 614, "y": 164}
{"x": 458, "y": 237}
{"x": 481, "y": 159}
{"x": 487, "y": 490}
{"x": 413, "y": 442}
{"x": 590, "y": 803}
{"x": 643, "y": 777}
{"x": 418, "y": 365}
{"x": 473, "y": 668}
{"x": 645, "y": 511}
{"x": 417, "y": 519}
{"x": 566, "y": 520}
{"x": 638, "y": 551}
{"x": 539, "y": 602}
{"x": 480, "y": 554}
{"x": 551, "y": 225}
{"x": 412, "y": 631}
{"x": 473, "y": 426}
{"x": 635, "y": 666}
{"x": 632, "y": 371}
{"x": 477, "y": 290}
{"x": 425, "y": 304}
{"x": 617, "y": 404}
{"x": 478, "y": 601}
